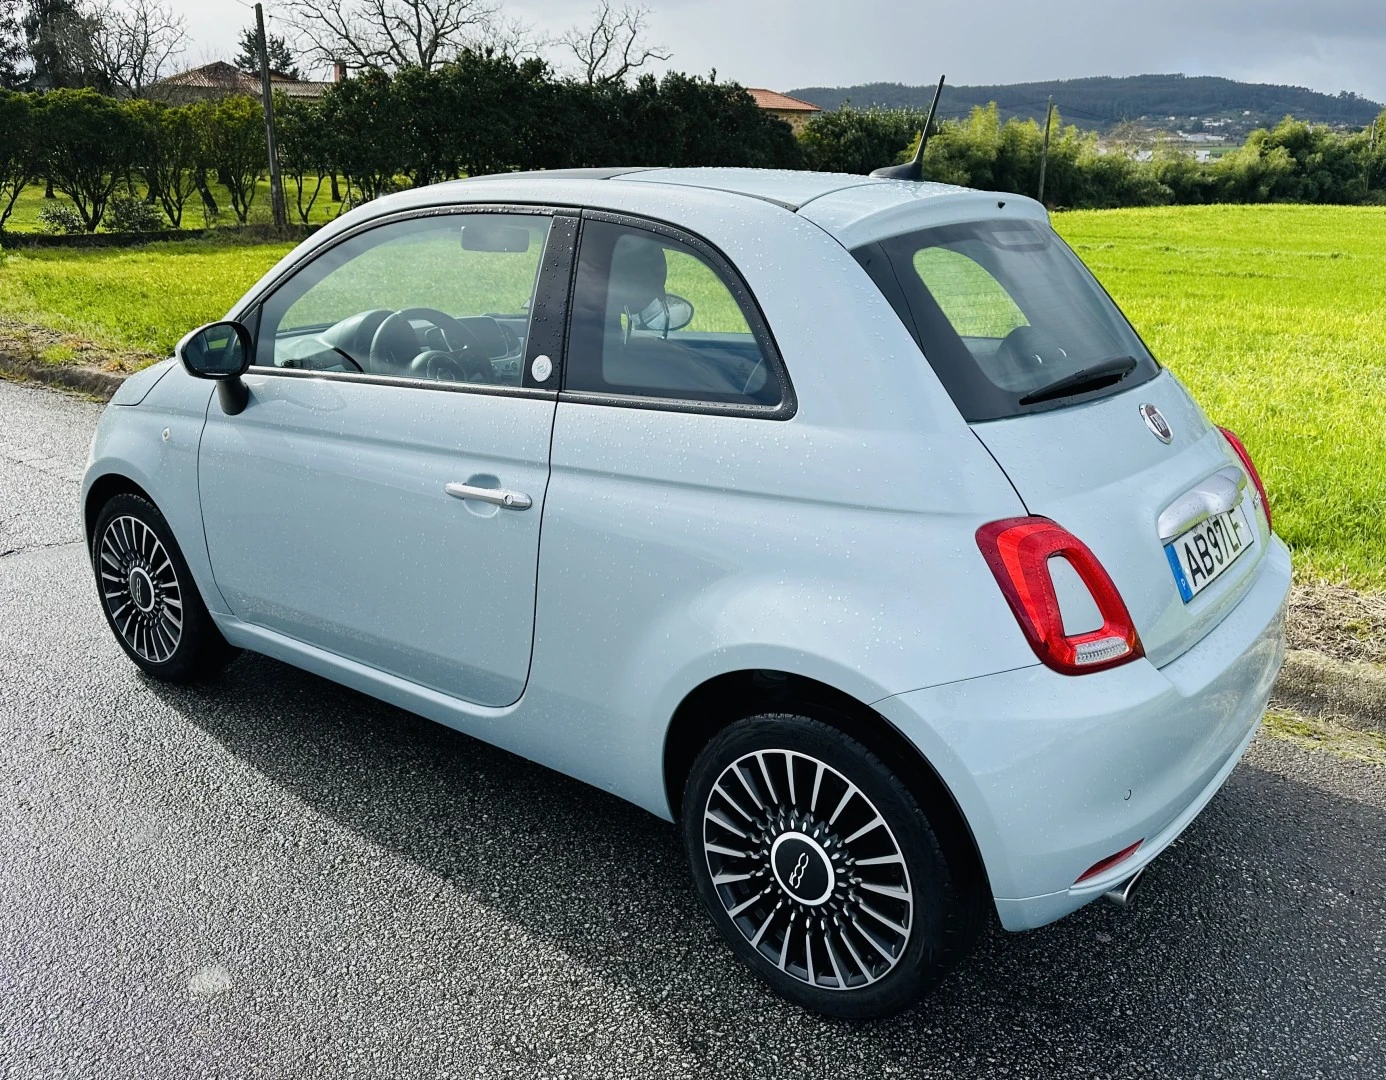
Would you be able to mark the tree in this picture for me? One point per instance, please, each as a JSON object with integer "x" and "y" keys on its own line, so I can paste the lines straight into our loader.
{"x": 18, "y": 150}
{"x": 367, "y": 134}
{"x": 170, "y": 150}
{"x": 132, "y": 42}
{"x": 304, "y": 153}
{"x": 234, "y": 142}
{"x": 13, "y": 49}
{"x": 58, "y": 36}
{"x": 281, "y": 57}
{"x": 388, "y": 35}
{"x": 90, "y": 145}
{"x": 614, "y": 46}
{"x": 858, "y": 140}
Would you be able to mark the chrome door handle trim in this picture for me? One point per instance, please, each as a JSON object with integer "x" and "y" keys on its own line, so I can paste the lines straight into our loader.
{"x": 506, "y": 500}
{"x": 1216, "y": 495}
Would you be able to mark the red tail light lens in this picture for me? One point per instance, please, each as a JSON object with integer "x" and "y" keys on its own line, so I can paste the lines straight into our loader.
{"x": 1018, "y": 551}
{"x": 1109, "y": 862}
{"x": 1240, "y": 449}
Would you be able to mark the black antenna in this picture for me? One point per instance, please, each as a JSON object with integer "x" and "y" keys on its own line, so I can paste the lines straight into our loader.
{"x": 914, "y": 170}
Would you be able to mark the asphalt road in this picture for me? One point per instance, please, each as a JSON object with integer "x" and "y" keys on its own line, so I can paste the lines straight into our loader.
{"x": 274, "y": 876}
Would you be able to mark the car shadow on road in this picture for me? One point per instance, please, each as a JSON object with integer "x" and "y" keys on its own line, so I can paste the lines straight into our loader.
{"x": 1260, "y": 915}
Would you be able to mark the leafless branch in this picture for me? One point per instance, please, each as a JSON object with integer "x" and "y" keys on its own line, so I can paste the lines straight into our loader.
{"x": 388, "y": 34}
{"x": 614, "y": 46}
{"x": 132, "y": 42}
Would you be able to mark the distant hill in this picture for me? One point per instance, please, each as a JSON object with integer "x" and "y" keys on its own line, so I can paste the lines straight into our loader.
{"x": 1100, "y": 103}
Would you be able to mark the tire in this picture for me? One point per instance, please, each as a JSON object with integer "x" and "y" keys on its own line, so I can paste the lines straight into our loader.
{"x": 842, "y": 916}
{"x": 148, "y": 595}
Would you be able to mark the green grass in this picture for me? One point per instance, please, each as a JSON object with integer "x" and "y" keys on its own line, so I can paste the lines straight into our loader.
{"x": 1274, "y": 316}
{"x": 142, "y": 298}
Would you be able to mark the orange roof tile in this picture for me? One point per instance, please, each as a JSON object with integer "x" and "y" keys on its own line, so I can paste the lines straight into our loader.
{"x": 770, "y": 99}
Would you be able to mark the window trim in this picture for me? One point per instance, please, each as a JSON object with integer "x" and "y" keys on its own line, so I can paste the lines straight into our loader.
{"x": 760, "y": 328}
{"x": 558, "y": 258}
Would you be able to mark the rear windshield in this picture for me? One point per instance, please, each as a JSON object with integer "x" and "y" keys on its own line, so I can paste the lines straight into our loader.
{"x": 1008, "y": 317}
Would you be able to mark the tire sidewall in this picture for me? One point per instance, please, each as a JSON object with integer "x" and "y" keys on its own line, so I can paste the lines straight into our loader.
{"x": 931, "y": 881}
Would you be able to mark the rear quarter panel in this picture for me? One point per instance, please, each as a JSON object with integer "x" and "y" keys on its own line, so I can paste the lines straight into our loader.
{"x": 837, "y": 544}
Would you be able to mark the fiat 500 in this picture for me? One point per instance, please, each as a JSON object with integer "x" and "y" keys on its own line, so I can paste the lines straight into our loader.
{"x": 844, "y": 521}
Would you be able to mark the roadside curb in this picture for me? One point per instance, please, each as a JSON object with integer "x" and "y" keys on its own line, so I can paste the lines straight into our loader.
{"x": 97, "y": 383}
{"x": 1352, "y": 692}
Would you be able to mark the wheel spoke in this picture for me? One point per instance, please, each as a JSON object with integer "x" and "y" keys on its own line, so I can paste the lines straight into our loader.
{"x": 862, "y": 965}
{"x": 713, "y": 815}
{"x": 770, "y": 787}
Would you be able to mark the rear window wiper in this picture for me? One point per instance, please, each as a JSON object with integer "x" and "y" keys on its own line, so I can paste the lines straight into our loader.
{"x": 1080, "y": 382}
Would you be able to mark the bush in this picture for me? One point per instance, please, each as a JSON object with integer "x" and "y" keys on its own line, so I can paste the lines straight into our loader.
{"x": 127, "y": 214}
{"x": 61, "y": 220}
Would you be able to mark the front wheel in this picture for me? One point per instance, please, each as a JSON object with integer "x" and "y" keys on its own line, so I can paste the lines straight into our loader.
{"x": 148, "y": 596}
{"x": 821, "y": 870}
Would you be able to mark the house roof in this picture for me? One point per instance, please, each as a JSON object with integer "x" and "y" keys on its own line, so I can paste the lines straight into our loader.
{"x": 221, "y": 77}
{"x": 771, "y": 99}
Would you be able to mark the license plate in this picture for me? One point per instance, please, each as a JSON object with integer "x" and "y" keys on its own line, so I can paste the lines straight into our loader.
{"x": 1203, "y": 554}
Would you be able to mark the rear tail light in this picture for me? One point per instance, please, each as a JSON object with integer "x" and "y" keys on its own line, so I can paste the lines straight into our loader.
{"x": 1240, "y": 449}
{"x": 1018, "y": 551}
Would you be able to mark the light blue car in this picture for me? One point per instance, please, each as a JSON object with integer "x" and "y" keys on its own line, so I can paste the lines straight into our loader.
{"x": 845, "y": 521}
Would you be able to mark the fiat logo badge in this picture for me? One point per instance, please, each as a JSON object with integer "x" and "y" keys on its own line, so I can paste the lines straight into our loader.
{"x": 1156, "y": 422}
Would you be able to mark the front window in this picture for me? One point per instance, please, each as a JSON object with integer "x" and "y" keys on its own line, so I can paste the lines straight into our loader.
{"x": 445, "y": 298}
{"x": 1008, "y": 316}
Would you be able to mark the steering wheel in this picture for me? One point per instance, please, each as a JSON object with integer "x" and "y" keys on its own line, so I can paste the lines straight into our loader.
{"x": 395, "y": 347}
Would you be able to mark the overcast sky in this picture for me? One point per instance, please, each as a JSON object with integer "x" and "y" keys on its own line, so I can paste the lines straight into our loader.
{"x": 1327, "y": 45}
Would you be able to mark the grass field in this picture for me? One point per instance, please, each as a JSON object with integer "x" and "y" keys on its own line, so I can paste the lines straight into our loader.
{"x": 1274, "y": 316}
{"x": 26, "y": 209}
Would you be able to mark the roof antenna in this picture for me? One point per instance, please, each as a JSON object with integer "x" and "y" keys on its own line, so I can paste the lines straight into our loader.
{"x": 914, "y": 170}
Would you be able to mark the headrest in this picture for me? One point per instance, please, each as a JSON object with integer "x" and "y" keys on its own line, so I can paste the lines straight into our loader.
{"x": 638, "y": 275}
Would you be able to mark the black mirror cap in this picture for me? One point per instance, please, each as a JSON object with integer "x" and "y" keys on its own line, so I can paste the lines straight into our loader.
{"x": 219, "y": 350}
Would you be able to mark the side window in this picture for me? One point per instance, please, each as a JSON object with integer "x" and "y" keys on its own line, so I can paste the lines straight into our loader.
{"x": 445, "y": 298}
{"x": 974, "y": 302}
{"x": 653, "y": 318}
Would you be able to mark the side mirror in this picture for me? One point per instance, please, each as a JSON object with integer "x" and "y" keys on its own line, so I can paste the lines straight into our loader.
{"x": 673, "y": 312}
{"x": 220, "y": 351}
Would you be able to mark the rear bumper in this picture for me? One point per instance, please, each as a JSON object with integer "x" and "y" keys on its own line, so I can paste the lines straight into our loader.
{"x": 1055, "y": 773}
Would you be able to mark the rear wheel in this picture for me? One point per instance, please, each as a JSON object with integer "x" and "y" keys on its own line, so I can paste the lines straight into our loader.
{"x": 821, "y": 869}
{"x": 148, "y": 595}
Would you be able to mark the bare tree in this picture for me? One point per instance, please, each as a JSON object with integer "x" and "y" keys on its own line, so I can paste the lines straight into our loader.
{"x": 132, "y": 42}
{"x": 614, "y": 45}
{"x": 388, "y": 34}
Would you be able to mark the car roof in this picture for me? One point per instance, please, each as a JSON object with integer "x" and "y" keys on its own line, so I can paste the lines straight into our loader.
{"x": 856, "y": 209}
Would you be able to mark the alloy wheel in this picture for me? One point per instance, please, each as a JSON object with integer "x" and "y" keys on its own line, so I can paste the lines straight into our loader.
{"x": 139, "y": 587}
{"x": 807, "y": 869}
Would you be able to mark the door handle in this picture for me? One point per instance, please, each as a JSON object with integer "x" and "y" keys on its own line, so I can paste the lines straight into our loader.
{"x": 506, "y": 500}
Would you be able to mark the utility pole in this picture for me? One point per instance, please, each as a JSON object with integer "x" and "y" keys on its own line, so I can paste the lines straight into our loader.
{"x": 281, "y": 217}
{"x": 1044, "y": 153}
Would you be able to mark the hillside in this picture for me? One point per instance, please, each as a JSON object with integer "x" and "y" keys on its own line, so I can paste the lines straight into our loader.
{"x": 1100, "y": 103}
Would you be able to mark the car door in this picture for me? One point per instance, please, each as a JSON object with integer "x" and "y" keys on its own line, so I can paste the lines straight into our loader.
{"x": 381, "y": 494}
